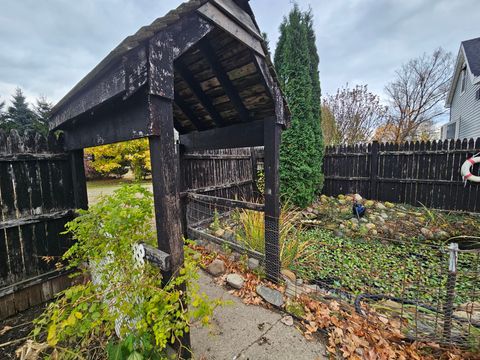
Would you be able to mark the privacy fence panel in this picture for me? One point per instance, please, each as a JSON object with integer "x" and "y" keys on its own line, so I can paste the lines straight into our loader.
{"x": 224, "y": 173}
{"x": 416, "y": 173}
{"x": 36, "y": 197}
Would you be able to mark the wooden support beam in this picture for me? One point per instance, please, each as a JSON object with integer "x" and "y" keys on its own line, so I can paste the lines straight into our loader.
{"x": 227, "y": 203}
{"x": 79, "y": 180}
{"x": 272, "y": 199}
{"x": 220, "y": 18}
{"x": 185, "y": 108}
{"x": 273, "y": 89}
{"x": 121, "y": 121}
{"x": 35, "y": 219}
{"x": 32, "y": 157}
{"x": 109, "y": 85}
{"x": 233, "y": 136}
{"x": 209, "y": 53}
{"x": 166, "y": 184}
{"x": 198, "y": 92}
{"x": 157, "y": 257}
{"x": 201, "y": 235}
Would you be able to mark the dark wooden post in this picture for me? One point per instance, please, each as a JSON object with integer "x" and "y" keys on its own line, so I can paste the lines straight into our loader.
{"x": 79, "y": 179}
{"x": 374, "y": 171}
{"x": 165, "y": 182}
{"x": 166, "y": 193}
{"x": 272, "y": 135}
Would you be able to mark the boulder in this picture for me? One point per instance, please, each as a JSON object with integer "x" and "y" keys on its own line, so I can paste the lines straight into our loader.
{"x": 370, "y": 226}
{"x": 369, "y": 203}
{"x": 357, "y": 197}
{"x": 236, "y": 281}
{"x": 380, "y": 206}
{"x": 229, "y": 235}
{"x": 271, "y": 296}
{"x": 253, "y": 263}
{"x": 389, "y": 205}
{"x": 216, "y": 267}
{"x": 441, "y": 235}
{"x": 427, "y": 233}
{"x": 219, "y": 233}
{"x": 289, "y": 275}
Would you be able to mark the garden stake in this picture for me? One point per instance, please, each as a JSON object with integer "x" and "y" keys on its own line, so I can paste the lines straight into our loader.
{"x": 450, "y": 296}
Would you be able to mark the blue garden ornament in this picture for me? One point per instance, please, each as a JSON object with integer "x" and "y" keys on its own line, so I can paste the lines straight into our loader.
{"x": 358, "y": 210}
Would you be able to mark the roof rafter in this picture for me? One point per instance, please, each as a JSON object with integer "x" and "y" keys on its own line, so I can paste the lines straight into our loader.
{"x": 187, "y": 111}
{"x": 195, "y": 87}
{"x": 209, "y": 53}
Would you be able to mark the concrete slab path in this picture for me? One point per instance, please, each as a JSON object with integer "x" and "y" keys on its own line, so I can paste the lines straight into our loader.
{"x": 240, "y": 331}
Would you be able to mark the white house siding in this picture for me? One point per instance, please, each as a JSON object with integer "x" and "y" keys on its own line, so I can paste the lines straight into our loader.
{"x": 465, "y": 109}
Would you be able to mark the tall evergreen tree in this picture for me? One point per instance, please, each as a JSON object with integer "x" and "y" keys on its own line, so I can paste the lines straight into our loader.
{"x": 2, "y": 112}
{"x": 316, "y": 98}
{"x": 42, "y": 111}
{"x": 19, "y": 113}
{"x": 296, "y": 62}
{"x": 19, "y": 116}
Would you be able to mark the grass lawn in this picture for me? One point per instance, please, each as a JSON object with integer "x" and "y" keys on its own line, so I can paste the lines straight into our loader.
{"x": 98, "y": 188}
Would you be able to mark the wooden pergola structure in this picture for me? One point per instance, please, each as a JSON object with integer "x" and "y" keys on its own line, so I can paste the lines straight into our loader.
{"x": 202, "y": 70}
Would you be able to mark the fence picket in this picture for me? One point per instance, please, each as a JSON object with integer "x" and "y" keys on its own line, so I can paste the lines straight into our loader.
{"x": 412, "y": 172}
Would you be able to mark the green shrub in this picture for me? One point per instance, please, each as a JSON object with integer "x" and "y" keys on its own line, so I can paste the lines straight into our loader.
{"x": 126, "y": 296}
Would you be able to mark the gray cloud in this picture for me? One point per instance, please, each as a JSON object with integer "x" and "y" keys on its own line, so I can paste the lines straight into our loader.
{"x": 46, "y": 47}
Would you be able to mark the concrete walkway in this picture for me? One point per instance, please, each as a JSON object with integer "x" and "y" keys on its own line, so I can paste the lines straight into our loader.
{"x": 241, "y": 331}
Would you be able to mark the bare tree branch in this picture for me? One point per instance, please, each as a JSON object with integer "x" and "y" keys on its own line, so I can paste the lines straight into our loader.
{"x": 417, "y": 93}
{"x": 357, "y": 113}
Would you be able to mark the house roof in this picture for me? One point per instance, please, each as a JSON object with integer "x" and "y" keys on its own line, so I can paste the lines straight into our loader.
{"x": 469, "y": 55}
{"x": 472, "y": 53}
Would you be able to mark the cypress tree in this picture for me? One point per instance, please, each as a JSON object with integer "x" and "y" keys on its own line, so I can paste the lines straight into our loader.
{"x": 316, "y": 99}
{"x": 296, "y": 62}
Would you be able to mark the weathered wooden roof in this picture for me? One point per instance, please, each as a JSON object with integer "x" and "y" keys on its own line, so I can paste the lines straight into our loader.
{"x": 222, "y": 71}
{"x": 131, "y": 42}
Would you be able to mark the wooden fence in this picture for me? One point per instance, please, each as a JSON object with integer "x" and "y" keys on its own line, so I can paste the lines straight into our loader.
{"x": 224, "y": 173}
{"x": 37, "y": 199}
{"x": 416, "y": 173}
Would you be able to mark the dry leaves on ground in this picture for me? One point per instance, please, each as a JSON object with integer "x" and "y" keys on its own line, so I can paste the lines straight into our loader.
{"x": 350, "y": 335}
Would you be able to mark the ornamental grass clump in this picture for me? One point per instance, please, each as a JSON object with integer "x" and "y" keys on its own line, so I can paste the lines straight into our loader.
{"x": 251, "y": 234}
{"x": 126, "y": 311}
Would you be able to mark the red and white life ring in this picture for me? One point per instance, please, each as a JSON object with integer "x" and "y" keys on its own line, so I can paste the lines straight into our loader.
{"x": 467, "y": 165}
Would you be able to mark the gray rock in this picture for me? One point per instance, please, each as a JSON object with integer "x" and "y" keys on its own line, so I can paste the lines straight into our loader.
{"x": 216, "y": 267}
{"x": 380, "y": 206}
{"x": 299, "y": 282}
{"x": 384, "y": 215}
{"x": 287, "y": 320}
{"x": 354, "y": 220}
{"x": 229, "y": 235}
{"x": 253, "y": 263}
{"x": 370, "y": 226}
{"x": 441, "y": 235}
{"x": 219, "y": 233}
{"x": 235, "y": 281}
{"x": 271, "y": 296}
{"x": 427, "y": 233}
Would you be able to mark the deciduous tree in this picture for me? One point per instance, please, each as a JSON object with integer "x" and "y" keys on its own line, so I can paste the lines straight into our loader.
{"x": 357, "y": 113}
{"x": 417, "y": 93}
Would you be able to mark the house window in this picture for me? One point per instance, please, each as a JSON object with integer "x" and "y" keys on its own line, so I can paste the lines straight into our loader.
{"x": 464, "y": 78}
{"x": 451, "y": 130}
{"x": 477, "y": 95}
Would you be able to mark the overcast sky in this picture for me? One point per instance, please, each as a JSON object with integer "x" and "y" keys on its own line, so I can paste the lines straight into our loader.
{"x": 47, "y": 46}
